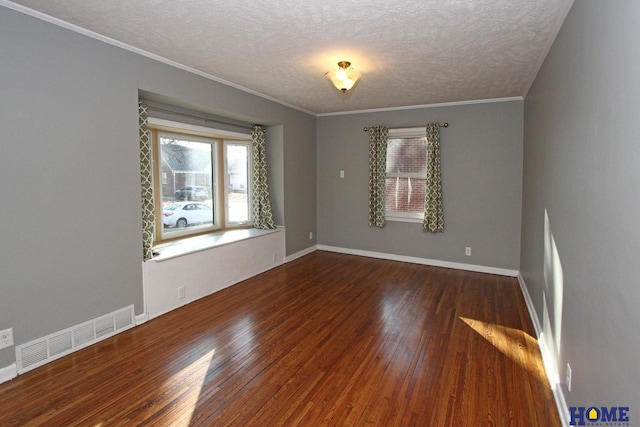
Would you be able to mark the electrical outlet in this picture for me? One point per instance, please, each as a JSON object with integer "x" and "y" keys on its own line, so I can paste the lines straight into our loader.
{"x": 567, "y": 379}
{"x": 311, "y": 235}
{"x": 181, "y": 292}
{"x": 6, "y": 338}
{"x": 467, "y": 251}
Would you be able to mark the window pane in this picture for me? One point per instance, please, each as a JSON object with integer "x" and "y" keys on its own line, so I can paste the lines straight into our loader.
{"x": 238, "y": 157}
{"x": 189, "y": 179}
{"x": 404, "y": 194}
{"x": 407, "y": 156}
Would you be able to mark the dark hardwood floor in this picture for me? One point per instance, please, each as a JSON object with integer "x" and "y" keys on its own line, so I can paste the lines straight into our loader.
{"x": 328, "y": 339}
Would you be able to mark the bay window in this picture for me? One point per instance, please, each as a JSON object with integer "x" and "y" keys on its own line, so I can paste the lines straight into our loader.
{"x": 202, "y": 180}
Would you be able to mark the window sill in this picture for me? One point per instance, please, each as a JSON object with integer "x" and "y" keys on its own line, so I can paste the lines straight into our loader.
{"x": 200, "y": 243}
{"x": 403, "y": 219}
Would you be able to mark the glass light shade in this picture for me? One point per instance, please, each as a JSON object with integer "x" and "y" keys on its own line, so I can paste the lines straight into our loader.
{"x": 344, "y": 77}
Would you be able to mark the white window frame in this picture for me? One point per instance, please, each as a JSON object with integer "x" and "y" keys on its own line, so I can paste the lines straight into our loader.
{"x": 227, "y": 183}
{"x": 403, "y": 133}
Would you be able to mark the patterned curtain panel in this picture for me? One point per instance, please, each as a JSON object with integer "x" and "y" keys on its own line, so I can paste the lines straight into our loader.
{"x": 146, "y": 184}
{"x": 262, "y": 216}
{"x": 378, "y": 136}
{"x": 433, "y": 213}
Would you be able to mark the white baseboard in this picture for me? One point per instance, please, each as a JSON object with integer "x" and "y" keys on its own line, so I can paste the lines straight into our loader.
{"x": 301, "y": 253}
{"x": 561, "y": 404}
{"x": 8, "y": 373}
{"x": 423, "y": 261}
{"x": 530, "y": 307}
{"x": 549, "y": 367}
{"x": 141, "y": 318}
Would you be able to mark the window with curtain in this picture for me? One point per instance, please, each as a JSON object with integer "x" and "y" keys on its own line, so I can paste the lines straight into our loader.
{"x": 146, "y": 183}
{"x": 404, "y": 176}
{"x": 406, "y": 173}
{"x": 196, "y": 179}
{"x": 202, "y": 180}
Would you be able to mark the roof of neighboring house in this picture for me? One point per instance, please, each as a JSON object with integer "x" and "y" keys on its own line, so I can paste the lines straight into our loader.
{"x": 184, "y": 159}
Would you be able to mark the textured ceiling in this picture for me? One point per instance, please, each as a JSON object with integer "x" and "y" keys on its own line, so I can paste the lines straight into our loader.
{"x": 410, "y": 52}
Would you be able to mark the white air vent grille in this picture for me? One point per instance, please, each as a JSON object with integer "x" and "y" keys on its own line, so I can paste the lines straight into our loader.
{"x": 124, "y": 318}
{"x": 104, "y": 326}
{"x": 34, "y": 353}
{"x": 60, "y": 343}
{"x": 83, "y": 335}
{"x": 38, "y": 352}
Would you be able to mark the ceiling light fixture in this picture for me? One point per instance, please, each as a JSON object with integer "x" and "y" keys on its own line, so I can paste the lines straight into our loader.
{"x": 344, "y": 77}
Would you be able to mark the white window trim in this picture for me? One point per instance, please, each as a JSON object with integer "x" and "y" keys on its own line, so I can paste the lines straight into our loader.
{"x": 227, "y": 184}
{"x": 401, "y": 133}
{"x": 221, "y": 134}
{"x": 396, "y": 216}
{"x": 415, "y": 132}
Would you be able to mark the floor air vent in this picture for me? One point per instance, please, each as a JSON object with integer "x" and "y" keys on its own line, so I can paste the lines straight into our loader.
{"x": 43, "y": 350}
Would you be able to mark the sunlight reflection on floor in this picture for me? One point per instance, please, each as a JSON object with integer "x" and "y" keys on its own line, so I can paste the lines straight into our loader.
{"x": 514, "y": 343}
{"x": 191, "y": 377}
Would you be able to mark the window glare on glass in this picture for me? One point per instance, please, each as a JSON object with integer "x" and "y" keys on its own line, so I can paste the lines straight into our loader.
{"x": 407, "y": 156}
{"x": 405, "y": 187}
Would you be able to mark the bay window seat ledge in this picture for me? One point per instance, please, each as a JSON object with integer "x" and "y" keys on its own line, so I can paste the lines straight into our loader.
{"x": 190, "y": 245}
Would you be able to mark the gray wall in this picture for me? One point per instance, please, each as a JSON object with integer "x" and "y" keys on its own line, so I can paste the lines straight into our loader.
{"x": 581, "y": 166}
{"x": 69, "y": 171}
{"x": 481, "y": 177}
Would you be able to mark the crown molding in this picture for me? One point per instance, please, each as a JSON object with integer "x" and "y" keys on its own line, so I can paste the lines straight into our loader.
{"x": 125, "y": 46}
{"x": 417, "y": 107}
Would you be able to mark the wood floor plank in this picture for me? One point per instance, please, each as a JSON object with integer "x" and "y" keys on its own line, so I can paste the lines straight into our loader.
{"x": 326, "y": 340}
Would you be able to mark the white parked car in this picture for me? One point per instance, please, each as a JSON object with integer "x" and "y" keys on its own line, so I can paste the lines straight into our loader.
{"x": 182, "y": 214}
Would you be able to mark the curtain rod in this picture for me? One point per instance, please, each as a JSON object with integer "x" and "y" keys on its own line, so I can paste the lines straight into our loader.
{"x": 444, "y": 125}
{"x": 206, "y": 120}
